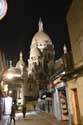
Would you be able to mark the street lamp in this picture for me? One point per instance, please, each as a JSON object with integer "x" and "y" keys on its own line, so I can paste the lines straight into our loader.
{"x": 3, "y": 8}
{"x": 10, "y": 74}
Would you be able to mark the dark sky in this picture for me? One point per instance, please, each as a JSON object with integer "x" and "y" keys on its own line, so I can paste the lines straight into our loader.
{"x": 21, "y": 23}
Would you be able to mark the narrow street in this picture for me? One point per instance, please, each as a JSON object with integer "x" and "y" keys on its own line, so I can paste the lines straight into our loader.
{"x": 38, "y": 118}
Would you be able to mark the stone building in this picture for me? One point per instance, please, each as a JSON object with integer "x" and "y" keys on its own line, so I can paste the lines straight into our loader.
{"x": 72, "y": 77}
{"x": 75, "y": 76}
{"x": 3, "y": 64}
{"x": 58, "y": 87}
{"x": 3, "y": 67}
{"x": 33, "y": 76}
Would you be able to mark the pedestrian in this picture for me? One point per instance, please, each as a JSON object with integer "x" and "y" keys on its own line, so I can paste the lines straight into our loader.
{"x": 7, "y": 102}
{"x": 24, "y": 110}
{"x": 34, "y": 105}
{"x": 12, "y": 115}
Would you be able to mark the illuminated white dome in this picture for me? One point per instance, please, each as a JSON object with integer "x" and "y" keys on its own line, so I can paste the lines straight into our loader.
{"x": 35, "y": 53}
{"x": 41, "y": 38}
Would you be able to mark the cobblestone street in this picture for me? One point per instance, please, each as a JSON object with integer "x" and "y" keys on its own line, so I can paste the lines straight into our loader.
{"x": 39, "y": 118}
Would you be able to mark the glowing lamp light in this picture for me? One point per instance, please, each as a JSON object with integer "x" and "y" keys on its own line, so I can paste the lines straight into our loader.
{"x": 3, "y": 8}
{"x": 9, "y": 75}
{"x": 6, "y": 88}
{"x": 10, "y": 92}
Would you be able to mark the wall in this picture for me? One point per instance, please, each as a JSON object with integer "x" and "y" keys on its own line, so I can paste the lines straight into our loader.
{"x": 80, "y": 95}
{"x": 72, "y": 85}
{"x": 75, "y": 27}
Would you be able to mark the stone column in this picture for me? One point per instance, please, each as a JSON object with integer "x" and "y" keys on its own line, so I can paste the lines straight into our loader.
{"x": 22, "y": 94}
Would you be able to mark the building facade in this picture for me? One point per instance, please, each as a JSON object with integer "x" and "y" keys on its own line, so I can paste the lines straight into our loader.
{"x": 3, "y": 67}
{"x": 34, "y": 76}
{"x": 75, "y": 86}
{"x": 73, "y": 77}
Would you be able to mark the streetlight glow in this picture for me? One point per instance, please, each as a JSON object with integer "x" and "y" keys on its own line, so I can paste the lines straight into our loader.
{"x": 3, "y": 8}
{"x": 9, "y": 76}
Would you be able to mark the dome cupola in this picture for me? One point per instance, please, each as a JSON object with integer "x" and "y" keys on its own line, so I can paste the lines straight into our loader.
{"x": 20, "y": 63}
{"x": 41, "y": 38}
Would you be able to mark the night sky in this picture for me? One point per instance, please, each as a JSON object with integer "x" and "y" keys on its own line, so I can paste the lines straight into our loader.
{"x": 20, "y": 24}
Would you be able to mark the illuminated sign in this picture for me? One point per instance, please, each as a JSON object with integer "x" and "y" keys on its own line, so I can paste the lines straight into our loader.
{"x": 56, "y": 81}
{"x": 3, "y": 8}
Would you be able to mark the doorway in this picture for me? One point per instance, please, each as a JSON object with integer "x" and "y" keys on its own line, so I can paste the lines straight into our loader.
{"x": 63, "y": 103}
{"x": 77, "y": 106}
